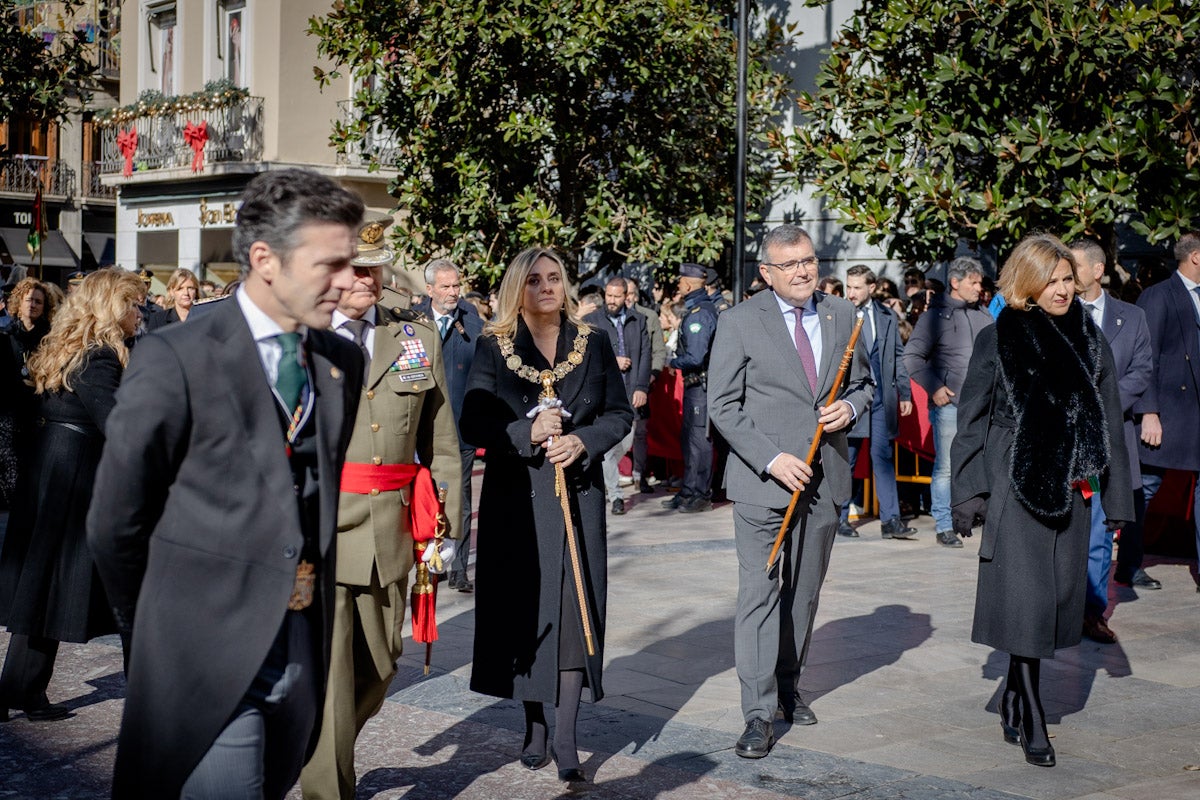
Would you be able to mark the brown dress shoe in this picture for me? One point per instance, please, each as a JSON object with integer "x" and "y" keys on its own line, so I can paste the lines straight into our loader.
{"x": 1096, "y": 629}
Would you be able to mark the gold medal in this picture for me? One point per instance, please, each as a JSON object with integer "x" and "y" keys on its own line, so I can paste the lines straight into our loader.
{"x": 513, "y": 363}
{"x": 559, "y": 371}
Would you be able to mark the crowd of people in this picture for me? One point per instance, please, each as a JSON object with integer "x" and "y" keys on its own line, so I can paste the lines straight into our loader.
{"x": 336, "y": 424}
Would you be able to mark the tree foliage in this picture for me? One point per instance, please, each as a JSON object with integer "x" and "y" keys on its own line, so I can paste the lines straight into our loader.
{"x": 44, "y": 62}
{"x": 984, "y": 119}
{"x": 605, "y": 124}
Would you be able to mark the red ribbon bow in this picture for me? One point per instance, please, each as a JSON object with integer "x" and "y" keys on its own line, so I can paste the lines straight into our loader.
{"x": 127, "y": 144}
{"x": 196, "y": 136}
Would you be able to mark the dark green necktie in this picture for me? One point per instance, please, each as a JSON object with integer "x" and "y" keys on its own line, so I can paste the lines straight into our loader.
{"x": 292, "y": 376}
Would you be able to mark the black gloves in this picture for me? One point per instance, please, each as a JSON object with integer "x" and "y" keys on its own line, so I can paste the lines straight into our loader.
{"x": 967, "y": 514}
{"x": 1112, "y": 525}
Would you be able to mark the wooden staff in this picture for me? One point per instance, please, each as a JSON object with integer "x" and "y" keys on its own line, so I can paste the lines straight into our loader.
{"x": 847, "y": 357}
{"x": 560, "y": 489}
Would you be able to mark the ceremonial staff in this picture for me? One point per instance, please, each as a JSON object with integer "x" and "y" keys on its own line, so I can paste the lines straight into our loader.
{"x": 847, "y": 357}
{"x": 560, "y": 489}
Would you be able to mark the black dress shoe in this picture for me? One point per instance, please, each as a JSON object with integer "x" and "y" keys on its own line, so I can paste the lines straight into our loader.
{"x": 673, "y": 502}
{"x": 1144, "y": 581}
{"x": 896, "y": 529}
{"x": 464, "y": 586}
{"x": 756, "y": 740}
{"x": 844, "y": 529}
{"x": 948, "y": 539}
{"x": 47, "y": 713}
{"x": 568, "y": 774}
{"x": 534, "y": 760}
{"x": 696, "y": 505}
{"x": 796, "y": 711}
{"x": 644, "y": 487}
{"x": 618, "y": 506}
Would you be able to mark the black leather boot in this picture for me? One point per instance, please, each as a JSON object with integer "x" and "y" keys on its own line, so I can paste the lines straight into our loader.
{"x": 1010, "y": 709}
{"x": 1035, "y": 741}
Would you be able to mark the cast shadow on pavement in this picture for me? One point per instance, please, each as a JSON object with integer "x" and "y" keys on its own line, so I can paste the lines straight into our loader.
{"x": 1067, "y": 680}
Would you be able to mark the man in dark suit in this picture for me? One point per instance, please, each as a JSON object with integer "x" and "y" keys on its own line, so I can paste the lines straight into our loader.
{"x": 630, "y": 341}
{"x": 1124, "y": 327}
{"x": 773, "y": 365}
{"x": 1170, "y": 408}
{"x": 216, "y": 505}
{"x": 893, "y": 399}
{"x": 459, "y": 327}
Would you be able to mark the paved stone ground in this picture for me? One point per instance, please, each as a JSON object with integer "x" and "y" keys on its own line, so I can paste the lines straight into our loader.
{"x": 905, "y": 700}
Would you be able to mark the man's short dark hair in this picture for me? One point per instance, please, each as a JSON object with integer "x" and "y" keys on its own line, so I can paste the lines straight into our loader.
{"x": 963, "y": 266}
{"x": 864, "y": 272}
{"x": 275, "y": 205}
{"x": 615, "y": 281}
{"x": 784, "y": 235}
{"x": 1091, "y": 249}
{"x": 1187, "y": 244}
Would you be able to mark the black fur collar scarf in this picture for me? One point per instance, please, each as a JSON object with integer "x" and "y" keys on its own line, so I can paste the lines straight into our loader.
{"x": 1050, "y": 367}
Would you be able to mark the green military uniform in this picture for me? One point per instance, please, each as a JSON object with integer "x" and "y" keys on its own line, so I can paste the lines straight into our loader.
{"x": 404, "y": 417}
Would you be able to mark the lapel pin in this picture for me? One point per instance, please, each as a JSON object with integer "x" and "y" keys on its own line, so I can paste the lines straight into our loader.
{"x": 829, "y": 316}
{"x": 1119, "y": 320}
{"x": 409, "y": 330}
{"x": 335, "y": 373}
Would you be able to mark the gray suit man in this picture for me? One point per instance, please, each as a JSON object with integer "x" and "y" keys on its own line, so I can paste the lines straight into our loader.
{"x": 773, "y": 364}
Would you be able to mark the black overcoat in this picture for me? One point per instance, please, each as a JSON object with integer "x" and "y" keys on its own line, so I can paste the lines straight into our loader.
{"x": 1032, "y": 576}
{"x": 196, "y": 531}
{"x": 522, "y": 568}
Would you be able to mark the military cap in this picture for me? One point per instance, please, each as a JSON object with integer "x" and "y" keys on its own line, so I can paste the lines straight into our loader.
{"x": 711, "y": 278}
{"x": 76, "y": 278}
{"x": 692, "y": 271}
{"x": 145, "y": 275}
{"x": 372, "y": 252}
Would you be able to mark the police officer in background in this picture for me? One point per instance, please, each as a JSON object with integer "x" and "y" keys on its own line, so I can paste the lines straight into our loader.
{"x": 696, "y": 330}
{"x": 712, "y": 285}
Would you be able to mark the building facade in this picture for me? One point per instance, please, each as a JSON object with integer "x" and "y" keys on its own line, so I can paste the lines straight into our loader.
{"x": 214, "y": 92}
{"x": 60, "y": 160}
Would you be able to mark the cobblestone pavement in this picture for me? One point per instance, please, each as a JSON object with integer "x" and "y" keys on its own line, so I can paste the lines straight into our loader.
{"x": 906, "y": 701}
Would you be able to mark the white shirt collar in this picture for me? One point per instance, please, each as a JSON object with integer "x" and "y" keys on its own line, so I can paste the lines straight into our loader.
{"x": 786, "y": 307}
{"x": 262, "y": 327}
{"x": 340, "y": 319}
{"x": 1189, "y": 284}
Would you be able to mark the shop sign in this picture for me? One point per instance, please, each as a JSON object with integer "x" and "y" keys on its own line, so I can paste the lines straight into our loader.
{"x": 155, "y": 219}
{"x": 225, "y": 215}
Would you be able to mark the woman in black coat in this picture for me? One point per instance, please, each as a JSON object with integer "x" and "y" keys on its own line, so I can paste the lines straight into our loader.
{"x": 530, "y": 641}
{"x": 31, "y": 307}
{"x": 182, "y": 290}
{"x": 1039, "y": 431}
{"x": 49, "y": 590}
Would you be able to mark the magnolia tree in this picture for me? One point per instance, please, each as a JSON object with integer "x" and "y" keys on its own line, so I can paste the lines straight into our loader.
{"x": 603, "y": 125}
{"x": 939, "y": 120}
{"x": 44, "y": 61}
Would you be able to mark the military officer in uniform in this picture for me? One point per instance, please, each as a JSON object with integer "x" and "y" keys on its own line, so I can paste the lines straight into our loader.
{"x": 696, "y": 330}
{"x": 404, "y": 420}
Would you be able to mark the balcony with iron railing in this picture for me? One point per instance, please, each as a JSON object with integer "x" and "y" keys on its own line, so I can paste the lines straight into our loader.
{"x": 234, "y": 137}
{"x": 379, "y": 145}
{"x": 93, "y": 188}
{"x": 25, "y": 174}
{"x": 108, "y": 60}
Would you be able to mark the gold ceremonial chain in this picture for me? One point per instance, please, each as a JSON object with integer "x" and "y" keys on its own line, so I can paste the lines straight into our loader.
{"x": 560, "y": 370}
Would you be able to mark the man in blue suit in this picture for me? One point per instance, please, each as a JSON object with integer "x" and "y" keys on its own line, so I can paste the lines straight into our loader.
{"x": 893, "y": 399}
{"x": 1170, "y": 408}
{"x": 460, "y": 327}
{"x": 1124, "y": 327}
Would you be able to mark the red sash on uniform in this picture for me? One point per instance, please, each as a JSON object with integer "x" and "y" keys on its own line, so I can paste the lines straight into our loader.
{"x": 423, "y": 503}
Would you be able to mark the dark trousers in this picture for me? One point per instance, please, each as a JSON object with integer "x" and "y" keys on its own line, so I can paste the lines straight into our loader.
{"x": 259, "y": 753}
{"x": 1133, "y": 544}
{"x": 458, "y": 571}
{"x": 697, "y": 447}
{"x": 639, "y": 443}
{"x": 28, "y": 666}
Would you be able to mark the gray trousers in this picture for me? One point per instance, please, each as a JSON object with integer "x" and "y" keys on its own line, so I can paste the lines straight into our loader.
{"x": 611, "y": 466}
{"x": 259, "y": 752}
{"x": 462, "y": 548}
{"x": 775, "y": 611}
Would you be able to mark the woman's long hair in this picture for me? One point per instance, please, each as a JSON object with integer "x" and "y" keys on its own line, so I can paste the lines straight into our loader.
{"x": 177, "y": 279}
{"x": 23, "y": 289}
{"x": 512, "y": 291}
{"x": 1029, "y": 268}
{"x": 89, "y": 319}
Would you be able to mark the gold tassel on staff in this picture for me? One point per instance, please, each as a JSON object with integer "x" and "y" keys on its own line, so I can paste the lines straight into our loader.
{"x": 847, "y": 357}
{"x": 560, "y": 489}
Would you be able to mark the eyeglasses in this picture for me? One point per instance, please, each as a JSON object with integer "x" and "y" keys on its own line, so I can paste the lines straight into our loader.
{"x": 789, "y": 267}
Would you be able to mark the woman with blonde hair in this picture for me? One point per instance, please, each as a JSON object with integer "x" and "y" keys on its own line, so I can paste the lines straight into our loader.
{"x": 540, "y": 612}
{"x": 31, "y": 306}
{"x": 1039, "y": 433}
{"x": 183, "y": 287}
{"x": 49, "y": 591}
